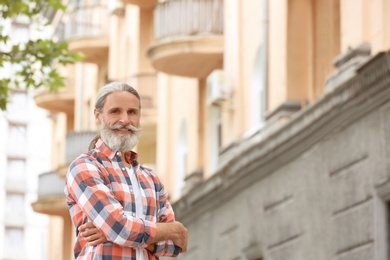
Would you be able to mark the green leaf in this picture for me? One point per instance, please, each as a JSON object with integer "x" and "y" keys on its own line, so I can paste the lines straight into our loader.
{"x": 4, "y": 90}
{"x": 4, "y": 38}
{"x": 36, "y": 59}
{"x": 56, "y": 4}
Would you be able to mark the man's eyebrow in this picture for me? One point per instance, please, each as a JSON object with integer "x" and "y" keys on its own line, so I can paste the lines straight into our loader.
{"x": 119, "y": 108}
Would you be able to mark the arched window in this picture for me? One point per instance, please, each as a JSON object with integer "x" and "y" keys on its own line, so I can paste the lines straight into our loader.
{"x": 258, "y": 89}
{"x": 215, "y": 124}
{"x": 181, "y": 160}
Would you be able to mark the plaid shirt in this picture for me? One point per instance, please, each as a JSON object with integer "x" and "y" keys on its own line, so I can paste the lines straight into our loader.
{"x": 98, "y": 189}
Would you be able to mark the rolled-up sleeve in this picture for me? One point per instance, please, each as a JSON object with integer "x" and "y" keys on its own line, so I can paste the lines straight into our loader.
{"x": 87, "y": 190}
{"x": 165, "y": 214}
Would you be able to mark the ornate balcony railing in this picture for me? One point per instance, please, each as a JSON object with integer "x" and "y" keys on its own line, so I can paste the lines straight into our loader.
{"x": 50, "y": 185}
{"x": 77, "y": 143}
{"x": 84, "y": 21}
{"x": 188, "y": 17}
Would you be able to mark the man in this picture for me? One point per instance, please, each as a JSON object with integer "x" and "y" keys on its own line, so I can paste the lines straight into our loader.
{"x": 120, "y": 208}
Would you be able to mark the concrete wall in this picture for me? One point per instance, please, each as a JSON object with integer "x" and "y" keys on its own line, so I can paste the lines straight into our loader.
{"x": 314, "y": 188}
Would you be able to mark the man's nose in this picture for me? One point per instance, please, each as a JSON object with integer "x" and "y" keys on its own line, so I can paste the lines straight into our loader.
{"x": 124, "y": 118}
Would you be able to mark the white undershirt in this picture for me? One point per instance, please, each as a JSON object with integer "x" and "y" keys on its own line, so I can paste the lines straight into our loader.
{"x": 139, "y": 207}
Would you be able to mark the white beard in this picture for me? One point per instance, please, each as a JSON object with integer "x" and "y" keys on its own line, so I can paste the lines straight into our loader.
{"x": 121, "y": 142}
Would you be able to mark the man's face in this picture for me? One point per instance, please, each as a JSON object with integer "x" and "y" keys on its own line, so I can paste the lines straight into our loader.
{"x": 119, "y": 121}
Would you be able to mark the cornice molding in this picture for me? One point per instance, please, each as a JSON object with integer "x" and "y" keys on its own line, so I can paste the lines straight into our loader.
{"x": 265, "y": 151}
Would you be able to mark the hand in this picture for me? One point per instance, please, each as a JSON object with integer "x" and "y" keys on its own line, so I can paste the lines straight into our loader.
{"x": 181, "y": 238}
{"x": 174, "y": 231}
{"x": 92, "y": 234}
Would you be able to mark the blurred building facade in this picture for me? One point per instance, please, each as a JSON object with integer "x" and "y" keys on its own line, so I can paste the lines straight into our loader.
{"x": 267, "y": 121}
{"x": 25, "y": 147}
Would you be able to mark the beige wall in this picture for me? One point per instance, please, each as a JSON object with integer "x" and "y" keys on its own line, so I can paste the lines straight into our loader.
{"x": 55, "y": 238}
{"x": 232, "y": 64}
{"x": 178, "y": 105}
{"x": 277, "y": 92}
{"x": 303, "y": 40}
{"x": 304, "y": 37}
{"x": 85, "y": 101}
{"x": 58, "y": 145}
{"x": 365, "y": 20}
{"x": 252, "y": 36}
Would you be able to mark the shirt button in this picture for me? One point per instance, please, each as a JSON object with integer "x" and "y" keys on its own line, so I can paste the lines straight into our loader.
{"x": 131, "y": 190}
{"x": 133, "y": 214}
{"x": 123, "y": 169}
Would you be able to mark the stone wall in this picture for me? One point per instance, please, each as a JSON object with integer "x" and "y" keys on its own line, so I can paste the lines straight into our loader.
{"x": 314, "y": 188}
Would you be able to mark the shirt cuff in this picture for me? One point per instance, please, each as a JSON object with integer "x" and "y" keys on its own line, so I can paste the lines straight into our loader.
{"x": 150, "y": 230}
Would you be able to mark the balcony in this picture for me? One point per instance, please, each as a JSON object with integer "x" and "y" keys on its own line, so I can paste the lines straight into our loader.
{"x": 51, "y": 197}
{"x": 192, "y": 47}
{"x": 76, "y": 144}
{"x": 60, "y": 101}
{"x": 145, "y": 4}
{"x": 86, "y": 30}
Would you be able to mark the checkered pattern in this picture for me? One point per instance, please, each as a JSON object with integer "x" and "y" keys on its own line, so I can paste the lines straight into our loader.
{"x": 98, "y": 189}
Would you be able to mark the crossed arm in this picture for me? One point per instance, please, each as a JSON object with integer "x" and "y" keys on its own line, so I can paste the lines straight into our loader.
{"x": 88, "y": 196}
{"x": 174, "y": 231}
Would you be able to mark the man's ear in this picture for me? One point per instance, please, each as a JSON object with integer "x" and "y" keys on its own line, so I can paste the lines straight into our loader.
{"x": 97, "y": 116}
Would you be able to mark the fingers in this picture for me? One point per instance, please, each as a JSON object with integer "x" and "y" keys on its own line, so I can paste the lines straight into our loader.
{"x": 91, "y": 234}
{"x": 86, "y": 226}
{"x": 184, "y": 240}
{"x": 90, "y": 231}
{"x": 95, "y": 239}
{"x": 181, "y": 239}
{"x": 184, "y": 245}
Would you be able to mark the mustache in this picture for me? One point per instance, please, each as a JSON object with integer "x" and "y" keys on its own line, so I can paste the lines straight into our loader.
{"x": 127, "y": 127}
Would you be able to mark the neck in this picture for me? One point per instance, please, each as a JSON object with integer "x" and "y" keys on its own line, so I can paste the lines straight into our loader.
{"x": 125, "y": 162}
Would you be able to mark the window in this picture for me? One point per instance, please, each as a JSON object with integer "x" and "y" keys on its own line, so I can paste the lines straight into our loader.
{"x": 215, "y": 143}
{"x": 181, "y": 160}
{"x": 14, "y": 237}
{"x": 258, "y": 89}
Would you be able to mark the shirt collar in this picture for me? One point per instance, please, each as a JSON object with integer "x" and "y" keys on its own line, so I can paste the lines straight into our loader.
{"x": 130, "y": 156}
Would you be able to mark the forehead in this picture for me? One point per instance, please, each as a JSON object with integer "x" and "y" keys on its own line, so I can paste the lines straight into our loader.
{"x": 121, "y": 99}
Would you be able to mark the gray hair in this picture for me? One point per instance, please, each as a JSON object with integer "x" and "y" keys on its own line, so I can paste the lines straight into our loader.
{"x": 102, "y": 96}
{"x": 111, "y": 88}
